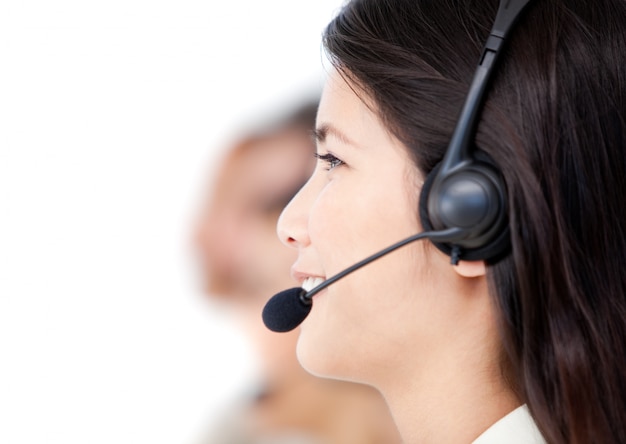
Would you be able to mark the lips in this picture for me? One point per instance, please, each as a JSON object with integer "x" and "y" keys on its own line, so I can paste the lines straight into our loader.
{"x": 311, "y": 282}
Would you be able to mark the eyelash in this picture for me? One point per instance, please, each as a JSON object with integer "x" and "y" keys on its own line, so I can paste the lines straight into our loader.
{"x": 331, "y": 160}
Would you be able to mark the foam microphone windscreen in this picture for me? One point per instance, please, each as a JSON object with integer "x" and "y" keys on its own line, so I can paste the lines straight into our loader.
{"x": 285, "y": 310}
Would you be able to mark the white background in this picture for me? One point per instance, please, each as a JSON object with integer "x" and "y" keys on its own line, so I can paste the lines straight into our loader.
{"x": 112, "y": 114}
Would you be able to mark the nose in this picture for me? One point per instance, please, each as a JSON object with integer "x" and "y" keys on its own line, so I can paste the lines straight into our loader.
{"x": 292, "y": 226}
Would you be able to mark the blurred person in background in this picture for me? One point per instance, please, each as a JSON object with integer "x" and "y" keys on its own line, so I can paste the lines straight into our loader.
{"x": 243, "y": 264}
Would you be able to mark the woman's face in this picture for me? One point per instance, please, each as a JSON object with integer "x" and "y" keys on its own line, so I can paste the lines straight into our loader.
{"x": 361, "y": 198}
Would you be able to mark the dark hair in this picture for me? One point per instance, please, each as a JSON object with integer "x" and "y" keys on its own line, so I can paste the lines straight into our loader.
{"x": 555, "y": 124}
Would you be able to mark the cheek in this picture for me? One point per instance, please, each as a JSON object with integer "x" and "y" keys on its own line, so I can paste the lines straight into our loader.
{"x": 350, "y": 221}
{"x": 363, "y": 323}
{"x": 354, "y": 322}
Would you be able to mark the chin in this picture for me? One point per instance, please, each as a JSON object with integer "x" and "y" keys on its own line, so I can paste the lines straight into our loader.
{"x": 312, "y": 352}
{"x": 322, "y": 357}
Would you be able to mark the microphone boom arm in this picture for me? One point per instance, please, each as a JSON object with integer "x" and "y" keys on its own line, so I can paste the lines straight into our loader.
{"x": 448, "y": 235}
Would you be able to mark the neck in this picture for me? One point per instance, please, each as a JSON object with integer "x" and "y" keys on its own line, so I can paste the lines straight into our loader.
{"x": 453, "y": 401}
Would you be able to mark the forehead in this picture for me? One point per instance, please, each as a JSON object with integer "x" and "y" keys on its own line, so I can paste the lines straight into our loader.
{"x": 353, "y": 115}
{"x": 344, "y": 102}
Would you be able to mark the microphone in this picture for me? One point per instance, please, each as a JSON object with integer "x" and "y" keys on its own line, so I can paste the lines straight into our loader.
{"x": 287, "y": 309}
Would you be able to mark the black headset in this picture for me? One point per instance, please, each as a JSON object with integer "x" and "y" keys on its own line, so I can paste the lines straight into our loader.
{"x": 466, "y": 190}
{"x": 463, "y": 201}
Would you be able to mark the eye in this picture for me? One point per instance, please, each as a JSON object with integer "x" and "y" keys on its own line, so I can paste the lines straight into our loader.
{"x": 331, "y": 160}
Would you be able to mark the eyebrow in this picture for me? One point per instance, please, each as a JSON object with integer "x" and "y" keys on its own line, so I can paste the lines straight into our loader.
{"x": 323, "y": 131}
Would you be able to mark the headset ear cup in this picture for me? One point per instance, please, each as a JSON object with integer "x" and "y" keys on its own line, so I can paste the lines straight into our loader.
{"x": 495, "y": 247}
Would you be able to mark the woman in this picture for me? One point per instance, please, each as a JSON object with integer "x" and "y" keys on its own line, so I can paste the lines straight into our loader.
{"x": 529, "y": 344}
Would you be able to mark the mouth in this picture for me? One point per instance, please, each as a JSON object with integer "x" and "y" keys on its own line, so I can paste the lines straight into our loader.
{"x": 311, "y": 282}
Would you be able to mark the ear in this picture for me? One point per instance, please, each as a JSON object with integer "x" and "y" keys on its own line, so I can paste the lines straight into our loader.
{"x": 471, "y": 269}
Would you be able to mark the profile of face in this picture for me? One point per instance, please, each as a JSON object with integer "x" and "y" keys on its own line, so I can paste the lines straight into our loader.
{"x": 399, "y": 312}
{"x": 242, "y": 262}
